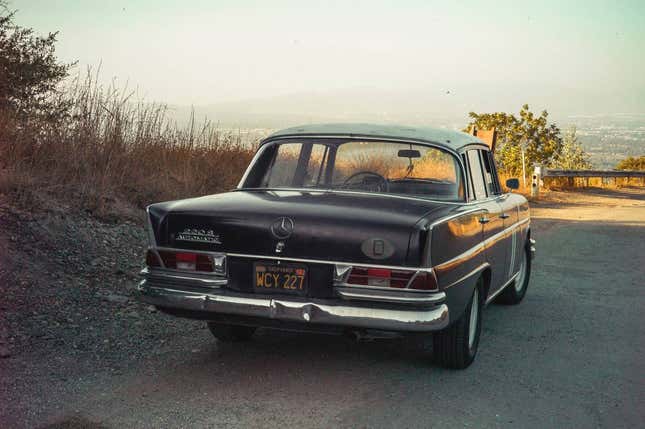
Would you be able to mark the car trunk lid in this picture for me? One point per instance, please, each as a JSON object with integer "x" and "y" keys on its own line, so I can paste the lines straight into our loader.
{"x": 317, "y": 225}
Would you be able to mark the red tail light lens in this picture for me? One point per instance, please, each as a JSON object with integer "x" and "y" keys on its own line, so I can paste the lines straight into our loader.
{"x": 187, "y": 261}
{"x": 357, "y": 276}
{"x": 383, "y": 277}
{"x": 425, "y": 281}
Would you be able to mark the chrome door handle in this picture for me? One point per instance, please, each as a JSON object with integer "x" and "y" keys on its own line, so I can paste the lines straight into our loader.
{"x": 484, "y": 220}
{"x": 504, "y": 216}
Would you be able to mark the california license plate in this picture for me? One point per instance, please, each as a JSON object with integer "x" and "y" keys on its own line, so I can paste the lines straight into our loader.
{"x": 281, "y": 278}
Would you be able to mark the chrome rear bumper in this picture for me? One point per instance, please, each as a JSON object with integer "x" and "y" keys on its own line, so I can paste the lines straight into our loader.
{"x": 314, "y": 311}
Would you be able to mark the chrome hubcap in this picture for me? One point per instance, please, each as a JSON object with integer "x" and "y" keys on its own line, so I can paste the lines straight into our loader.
{"x": 519, "y": 281}
{"x": 474, "y": 315}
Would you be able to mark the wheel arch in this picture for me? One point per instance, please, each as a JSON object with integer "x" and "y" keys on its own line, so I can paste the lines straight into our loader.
{"x": 458, "y": 295}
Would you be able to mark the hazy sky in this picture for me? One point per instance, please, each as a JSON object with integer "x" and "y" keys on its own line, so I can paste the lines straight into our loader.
{"x": 198, "y": 52}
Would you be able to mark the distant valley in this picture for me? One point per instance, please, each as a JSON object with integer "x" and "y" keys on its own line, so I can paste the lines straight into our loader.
{"x": 608, "y": 138}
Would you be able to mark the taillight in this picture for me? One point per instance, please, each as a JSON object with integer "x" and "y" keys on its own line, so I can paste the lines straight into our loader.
{"x": 424, "y": 281}
{"x": 189, "y": 261}
{"x": 383, "y": 277}
{"x": 186, "y": 261}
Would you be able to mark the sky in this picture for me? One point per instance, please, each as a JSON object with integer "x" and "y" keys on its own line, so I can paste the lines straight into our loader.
{"x": 195, "y": 52}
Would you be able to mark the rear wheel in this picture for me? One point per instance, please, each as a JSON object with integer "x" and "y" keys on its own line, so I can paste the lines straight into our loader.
{"x": 513, "y": 294}
{"x": 456, "y": 346}
{"x": 231, "y": 333}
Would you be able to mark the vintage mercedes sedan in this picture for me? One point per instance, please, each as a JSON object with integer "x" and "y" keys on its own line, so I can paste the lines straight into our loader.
{"x": 348, "y": 228}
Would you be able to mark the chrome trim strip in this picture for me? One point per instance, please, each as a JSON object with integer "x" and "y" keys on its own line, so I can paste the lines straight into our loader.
{"x": 166, "y": 275}
{"x": 472, "y": 273}
{"x": 513, "y": 250}
{"x": 312, "y": 311}
{"x": 480, "y": 245}
{"x": 176, "y": 249}
{"x": 152, "y": 240}
{"x": 497, "y": 292}
{"x": 250, "y": 166}
{"x": 343, "y": 191}
{"x": 427, "y": 254}
{"x": 384, "y": 139}
{"x": 342, "y": 272}
{"x": 454, "y": 216}
{"x": 322, "y": 261}
{"x": 414, "y": 276}
{"x": 396, "y": 296}
{"x": 304, "y": 260}
{"x": 382, "y": 288}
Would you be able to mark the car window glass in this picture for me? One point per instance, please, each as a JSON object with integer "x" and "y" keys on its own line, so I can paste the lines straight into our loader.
{"x": 489, "y": 178}
{"x": 315, "y": 171}
{"x": 476, "y": 174}
{"x": 470, "y": 182}
{"x": 366, "y": 166}
{"x": 282, "y": 171}
{"x": 387, "y": 160}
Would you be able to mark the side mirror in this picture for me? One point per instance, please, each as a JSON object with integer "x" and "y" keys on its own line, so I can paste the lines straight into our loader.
{"x": 513, "y": 183}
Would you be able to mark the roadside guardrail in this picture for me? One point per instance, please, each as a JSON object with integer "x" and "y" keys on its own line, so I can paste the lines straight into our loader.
{"x": 552, "y": 178}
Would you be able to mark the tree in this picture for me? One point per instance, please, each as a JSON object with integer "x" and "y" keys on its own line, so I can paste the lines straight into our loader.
{"x": 29, "y": 70}
{"x": 542, "y": 140}
{"x": 632, "y": 163}
{"x": 571, "y": 156}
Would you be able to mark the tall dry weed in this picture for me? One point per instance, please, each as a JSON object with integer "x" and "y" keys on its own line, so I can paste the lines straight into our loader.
{"x": 112, "y": 148}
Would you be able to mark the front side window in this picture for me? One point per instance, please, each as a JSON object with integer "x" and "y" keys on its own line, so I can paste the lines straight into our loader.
{"x": 366, "y": 166}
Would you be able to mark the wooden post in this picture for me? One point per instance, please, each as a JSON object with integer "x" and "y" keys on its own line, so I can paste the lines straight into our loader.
{"x": 487, "y": 136}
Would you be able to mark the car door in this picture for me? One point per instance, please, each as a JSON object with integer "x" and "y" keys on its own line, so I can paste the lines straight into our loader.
{"x": 492, "y": 220}
{"x": 510, "y": 214}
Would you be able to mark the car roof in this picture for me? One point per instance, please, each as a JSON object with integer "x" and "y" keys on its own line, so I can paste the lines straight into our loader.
{"x": 441, "y": 136}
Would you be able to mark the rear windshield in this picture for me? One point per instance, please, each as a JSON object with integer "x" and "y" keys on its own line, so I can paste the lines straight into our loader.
{"x": 366, "y": 166}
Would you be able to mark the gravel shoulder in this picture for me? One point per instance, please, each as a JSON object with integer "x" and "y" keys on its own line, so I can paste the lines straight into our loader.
{"x": 77, "y": 351}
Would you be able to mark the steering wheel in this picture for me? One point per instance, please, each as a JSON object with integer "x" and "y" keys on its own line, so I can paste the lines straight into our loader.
{"x": 377, "y": 183}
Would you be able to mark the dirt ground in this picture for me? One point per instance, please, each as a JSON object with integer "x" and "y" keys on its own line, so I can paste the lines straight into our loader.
{"x": 77, "y": 351}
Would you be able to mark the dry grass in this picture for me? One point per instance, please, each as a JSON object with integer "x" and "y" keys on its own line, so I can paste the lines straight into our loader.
{"x": 112, "y": 150}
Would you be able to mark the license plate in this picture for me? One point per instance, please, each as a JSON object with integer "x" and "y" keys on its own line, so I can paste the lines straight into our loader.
{"x": 282, "y": 278}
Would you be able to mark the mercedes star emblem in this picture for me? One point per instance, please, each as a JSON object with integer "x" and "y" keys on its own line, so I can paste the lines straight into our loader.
{"x": 282, "y": 228}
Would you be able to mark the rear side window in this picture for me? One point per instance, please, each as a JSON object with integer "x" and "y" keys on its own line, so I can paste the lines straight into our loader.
{"x": 490, "y": 175}
{"x": 284, "y": 166}
{"x": 285, "y": 171}
{"x": 476, "y": 174}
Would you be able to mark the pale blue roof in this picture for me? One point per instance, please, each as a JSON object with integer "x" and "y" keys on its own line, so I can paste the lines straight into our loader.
{"x": 449, "y": 138}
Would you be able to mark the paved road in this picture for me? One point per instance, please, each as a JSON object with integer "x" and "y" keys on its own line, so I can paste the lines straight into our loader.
{"x": 571, "y": 355}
